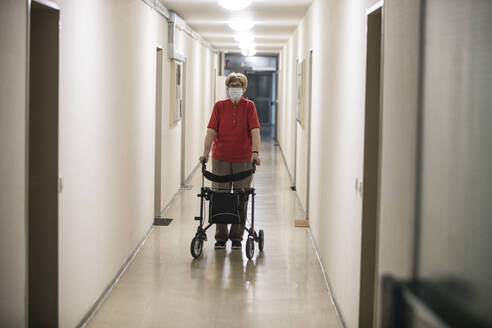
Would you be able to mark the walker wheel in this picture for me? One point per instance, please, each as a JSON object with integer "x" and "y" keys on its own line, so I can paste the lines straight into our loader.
{"x": 261, "y": 240}
{"x": 196, "y": 247}
{"x": 250, "y": 248}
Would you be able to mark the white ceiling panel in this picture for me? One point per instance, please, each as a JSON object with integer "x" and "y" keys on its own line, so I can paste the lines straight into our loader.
{"x": 275, "y": 20}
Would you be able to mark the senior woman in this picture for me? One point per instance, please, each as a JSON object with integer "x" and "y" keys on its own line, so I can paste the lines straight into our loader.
{"x": 235, "y": 132}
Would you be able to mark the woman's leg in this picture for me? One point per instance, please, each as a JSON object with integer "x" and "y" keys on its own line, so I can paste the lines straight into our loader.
{"x": 221, "y": 168}
{"x": 237, "y": 230}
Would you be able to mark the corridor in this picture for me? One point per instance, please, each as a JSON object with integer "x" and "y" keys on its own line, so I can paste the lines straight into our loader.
{"x": 373, "y": 192}
{"x": 281, "y": 287}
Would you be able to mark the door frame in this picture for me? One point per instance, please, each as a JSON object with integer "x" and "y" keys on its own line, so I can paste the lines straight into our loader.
{"x": 296, "y": 122}
{"x": 308, "y": 159}
{"x": 183, "y": 125}
{"x": 158, "y": 132}
{"x": 275, "y": 136}
{"x": 268, "y": 74}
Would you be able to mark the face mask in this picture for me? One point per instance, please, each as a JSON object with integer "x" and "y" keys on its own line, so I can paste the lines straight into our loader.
{"x": 235, "y": 93}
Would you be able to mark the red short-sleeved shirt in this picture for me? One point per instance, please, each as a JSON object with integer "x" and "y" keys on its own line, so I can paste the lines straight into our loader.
{"x": 233, "y": 123}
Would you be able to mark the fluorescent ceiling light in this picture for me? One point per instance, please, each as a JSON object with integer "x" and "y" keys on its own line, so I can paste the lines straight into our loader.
{"x": 246, "y": 45}
{"x": 234, "y": 4}
{"x": 247, "y": 49}
{"x": 248, "y": 52}
{"x": 241, "y": 26}
{"x": 244, "y": 38}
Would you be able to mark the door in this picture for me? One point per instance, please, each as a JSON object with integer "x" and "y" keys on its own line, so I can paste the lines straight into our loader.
{"x": 308, "y": 118}
{"x": 43, "y": 165}
{"x": 450, "y": 284}
{"x": 158, "y": 136}
{"x": 261, "y": 91}
{"x": 370, "y": 190}
{"x": 454, "y": 221}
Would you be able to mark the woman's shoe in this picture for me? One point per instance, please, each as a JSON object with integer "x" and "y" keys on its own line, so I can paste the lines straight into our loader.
{"x": 220, "y": 245}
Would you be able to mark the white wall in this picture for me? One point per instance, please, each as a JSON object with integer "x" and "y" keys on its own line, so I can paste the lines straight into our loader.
{"x": 336, "y": 32}
{"x": 338, "y": 38}
{"x": 301, "y": 42}
{"x": 107, "y": 131}
{"x": 107, "y": 124}
{"x": 107, "y": 113}
{"x": 199, "y": 100}
{"x": 286, "y": 119}
{"x": 13, "y": 275}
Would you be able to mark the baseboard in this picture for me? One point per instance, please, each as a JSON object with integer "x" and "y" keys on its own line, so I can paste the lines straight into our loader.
{"x": 327, "y": 282}
{"x": 90, "y": 314}
{"x": 293, "y": 188}
{"x": 300, "y": 205}
{"x": 170, "y": 203}
{"x": 285, "y": 163}
{"x": 192, "y": 173}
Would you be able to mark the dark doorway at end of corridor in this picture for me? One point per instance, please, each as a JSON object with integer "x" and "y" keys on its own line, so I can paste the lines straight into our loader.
{"x": 261, "y": 72}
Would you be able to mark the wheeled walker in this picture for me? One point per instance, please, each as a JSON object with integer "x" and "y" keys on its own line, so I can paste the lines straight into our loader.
{"x": 226, "y": 207}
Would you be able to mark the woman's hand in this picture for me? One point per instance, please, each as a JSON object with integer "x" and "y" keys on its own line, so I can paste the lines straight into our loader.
{"x": 256, "y": 158}
{"x": 203, "y": 159}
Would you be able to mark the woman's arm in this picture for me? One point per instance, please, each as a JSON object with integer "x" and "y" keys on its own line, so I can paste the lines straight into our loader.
{"x": 255, "y": 136}
{"x": 207, "y": 145}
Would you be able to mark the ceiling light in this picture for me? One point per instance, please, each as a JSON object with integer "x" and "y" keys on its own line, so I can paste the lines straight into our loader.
{"x": 244, "y": 38}
{"x": 247, "y": 49}
{"x": 246, "y": 45}
{"x": 241, "y": 26}
{"x": 234, "y": 4}
{"x": 248, "y": 52}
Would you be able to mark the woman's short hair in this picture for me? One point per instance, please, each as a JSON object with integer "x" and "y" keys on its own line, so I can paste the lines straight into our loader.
{"x": 234, "y": 77}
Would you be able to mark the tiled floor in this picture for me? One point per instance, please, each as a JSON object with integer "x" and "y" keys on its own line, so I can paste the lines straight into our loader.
{"x": 281, "y": 287}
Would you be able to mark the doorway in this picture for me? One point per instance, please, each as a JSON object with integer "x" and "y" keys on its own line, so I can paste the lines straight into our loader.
{"x": 158, "y": 134}
{"x": 302, "y": 132}
{"x": 309, "y": 105}
{"x": 261, "y": 71}
{"x": 261, "y": 90}
{"x": 370, "y": 191}
{"x": 178, "y": 108}
{"x": 44, "y": 184}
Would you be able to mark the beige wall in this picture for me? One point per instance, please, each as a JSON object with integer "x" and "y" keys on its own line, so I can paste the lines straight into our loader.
{"x": 199, "y": 98}
{"x": 13, "y": 28}
{"x": 286, "y": 112}
{"x": 107, "y": 114}
{"x": 107, "y": 124}
{"x": 335, "y": 30}
{"x": 302, "y": 42}
{"x": 107, "y": 131}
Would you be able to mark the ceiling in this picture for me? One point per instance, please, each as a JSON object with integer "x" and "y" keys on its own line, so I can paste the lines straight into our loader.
{"x": 275, "y": 21}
